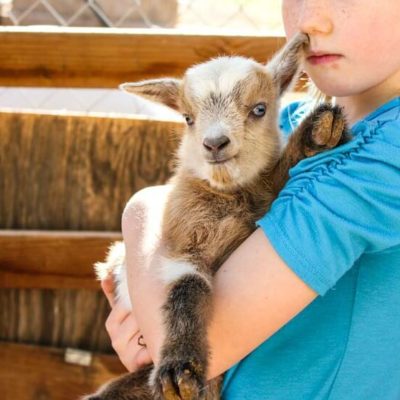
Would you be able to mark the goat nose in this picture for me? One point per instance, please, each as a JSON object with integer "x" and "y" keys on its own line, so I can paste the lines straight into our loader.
{"x": 216, "y": 144}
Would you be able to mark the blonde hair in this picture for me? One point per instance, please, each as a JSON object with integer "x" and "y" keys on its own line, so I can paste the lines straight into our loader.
{"x": 317, "y": 97}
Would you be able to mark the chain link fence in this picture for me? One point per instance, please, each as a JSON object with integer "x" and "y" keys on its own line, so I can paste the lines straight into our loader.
{"x": 256, "y": 15}
{"x": 237, "y": 15}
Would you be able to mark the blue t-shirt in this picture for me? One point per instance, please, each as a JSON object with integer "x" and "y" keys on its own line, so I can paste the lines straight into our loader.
{"x": 336, "y": 224}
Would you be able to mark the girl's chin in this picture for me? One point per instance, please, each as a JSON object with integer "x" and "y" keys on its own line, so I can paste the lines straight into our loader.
{"x": 333, "y": 88}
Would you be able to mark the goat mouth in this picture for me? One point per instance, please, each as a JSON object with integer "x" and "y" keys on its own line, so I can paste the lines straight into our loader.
{"x": 219, "y": 161}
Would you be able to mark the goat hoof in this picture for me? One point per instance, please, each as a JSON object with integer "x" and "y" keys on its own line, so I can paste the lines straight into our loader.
{"x": 328, "y": 130}
{"x": 179, "y": 381}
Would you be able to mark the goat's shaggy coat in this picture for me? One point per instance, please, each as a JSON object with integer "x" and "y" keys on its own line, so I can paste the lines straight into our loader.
{"x": 231, "y": 167}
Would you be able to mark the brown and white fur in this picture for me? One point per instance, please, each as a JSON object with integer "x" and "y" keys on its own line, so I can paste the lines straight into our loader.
{"x": 231, "y": 166}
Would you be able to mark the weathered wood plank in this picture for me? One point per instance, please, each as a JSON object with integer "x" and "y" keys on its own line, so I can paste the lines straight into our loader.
{"x": 33, "y": 373}
{"x": 58, "y": 318}
{"x": 95, "y": 57}
{"x": 76, "y": 172}
{"x": 70, "y": 172}
{"x": 51, "y": 259}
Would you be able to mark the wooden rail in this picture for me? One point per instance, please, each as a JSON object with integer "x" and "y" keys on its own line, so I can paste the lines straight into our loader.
{"x": 33, "y": 372}
{"x": 69, "y": 172}
{"x": 64, "y": 181}
{"x": 76, "y": 172}
{"x": 51, "y": 259}
{"x": 104, "y": 57}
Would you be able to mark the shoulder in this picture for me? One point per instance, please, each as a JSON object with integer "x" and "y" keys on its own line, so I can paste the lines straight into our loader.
{"x": 386, "y": 132}
{"x": 373, "y": 150}
{"x": 345, "y": 200}
{"x": 384, "y": 122}
{"x": 376, "y": 143}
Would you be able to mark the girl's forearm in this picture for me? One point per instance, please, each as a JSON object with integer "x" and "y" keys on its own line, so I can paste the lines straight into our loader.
{"x": 255, "y": 294}
{"x": 148, "y": 296}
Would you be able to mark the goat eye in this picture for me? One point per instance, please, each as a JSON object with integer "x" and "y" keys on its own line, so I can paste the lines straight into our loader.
{"x": 189, "y": 120}
{"x": 259, "y": 110}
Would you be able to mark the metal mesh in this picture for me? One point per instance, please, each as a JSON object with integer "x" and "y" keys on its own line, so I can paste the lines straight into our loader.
{"x": 233, "y": 14}
{"x": 247, "y": 15}
{"x": 94, "y": 13}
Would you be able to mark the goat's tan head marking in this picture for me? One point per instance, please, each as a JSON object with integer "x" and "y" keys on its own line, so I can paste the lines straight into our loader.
{"x": 230, "y": 105}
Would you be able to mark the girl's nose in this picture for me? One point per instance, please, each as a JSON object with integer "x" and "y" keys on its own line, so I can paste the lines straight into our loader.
{"x": 315, "y": 17}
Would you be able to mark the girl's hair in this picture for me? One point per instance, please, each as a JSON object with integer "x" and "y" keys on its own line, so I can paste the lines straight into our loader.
{"x": 316, "y": 96}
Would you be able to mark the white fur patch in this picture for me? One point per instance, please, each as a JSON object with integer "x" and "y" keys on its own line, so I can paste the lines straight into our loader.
{"x": 192, "y": 159}
{"x": 115, "y": 265}
{"x": 173, "y": 270}
{"x": 122, "y": 290}
{"x": 216, "y": 129}
{"x": 218, "y": 75}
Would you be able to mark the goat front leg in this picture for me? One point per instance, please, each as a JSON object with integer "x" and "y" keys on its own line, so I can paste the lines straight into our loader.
{"x": 324, "y": 129}
{"x": 181, "y": 373}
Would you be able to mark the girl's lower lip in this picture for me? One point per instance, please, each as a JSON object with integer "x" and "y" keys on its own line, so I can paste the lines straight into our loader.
{"x": 323, "y": 59}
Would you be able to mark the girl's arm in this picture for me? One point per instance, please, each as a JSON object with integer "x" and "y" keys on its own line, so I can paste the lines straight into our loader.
{"x": 122, "y": 327}
{"x": 255, "y": 292}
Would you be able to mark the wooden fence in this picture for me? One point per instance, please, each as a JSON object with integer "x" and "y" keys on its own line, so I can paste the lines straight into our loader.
{"x": 64, "y": 180}
{"x": 95, "y": 57}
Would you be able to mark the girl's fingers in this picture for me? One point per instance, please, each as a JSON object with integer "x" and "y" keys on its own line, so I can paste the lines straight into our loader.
{"x": 107, "y": 285}
{"x": 134, "y": 356}
{"x": 127, "y": 334}
{"x": 124, "y": 331}
{"x": 143, "y": 358}
{"x": 117, "y": 316}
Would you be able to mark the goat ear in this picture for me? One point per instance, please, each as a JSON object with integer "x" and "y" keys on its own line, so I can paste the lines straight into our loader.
{"x": 285, "y": 65}
{"x": 165, "y": 90}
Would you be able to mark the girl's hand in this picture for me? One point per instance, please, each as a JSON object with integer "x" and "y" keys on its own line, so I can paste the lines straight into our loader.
{"x": 124, "y": 332}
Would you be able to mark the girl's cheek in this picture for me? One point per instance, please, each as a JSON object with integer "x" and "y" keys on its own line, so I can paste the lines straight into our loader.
{"x": 290, "y": 16}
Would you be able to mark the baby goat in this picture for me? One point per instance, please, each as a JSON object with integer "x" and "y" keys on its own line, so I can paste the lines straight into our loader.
{"x": 231, "y": 167}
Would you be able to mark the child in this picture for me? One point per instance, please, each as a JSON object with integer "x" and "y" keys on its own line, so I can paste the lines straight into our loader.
{"x": 308, "y": 306}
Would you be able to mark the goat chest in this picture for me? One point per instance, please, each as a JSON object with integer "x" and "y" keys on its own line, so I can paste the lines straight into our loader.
{"x": 203, "y": 226}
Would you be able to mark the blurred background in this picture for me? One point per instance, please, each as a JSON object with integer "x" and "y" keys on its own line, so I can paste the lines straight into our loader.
{"x": 234, "y": 16}
{"x": 74, "y": 149}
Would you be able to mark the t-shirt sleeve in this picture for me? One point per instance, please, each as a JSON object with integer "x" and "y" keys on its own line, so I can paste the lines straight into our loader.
{"x": 337, "y": 206}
